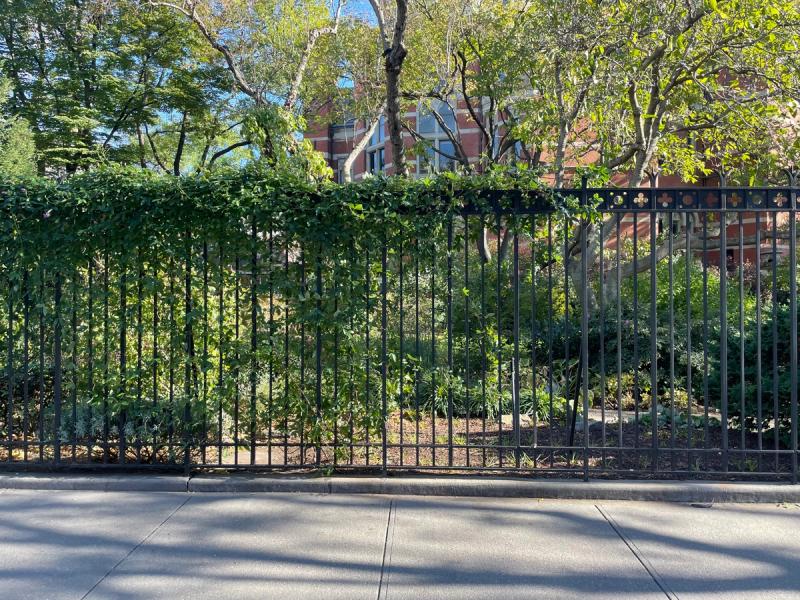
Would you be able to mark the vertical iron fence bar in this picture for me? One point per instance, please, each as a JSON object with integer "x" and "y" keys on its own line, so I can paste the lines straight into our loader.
{"x": 618, "y": 284}
{"x": 534, "y": 339}
{"x": 759, "y": 391}
{"x": 742, "y": 377}
{"x": 335, "y": 404}
{"x": 271, "y": 370}
{"x": 123, "y": 351}
{"x": 774, "y": 332}
{"x": 515, "y": 417}
{"x": 171, "y": 363}
{"x": 401, "y": 353}
{"x": 723, "y": 322}
{"x": 155, "y": 350}
{"x": 57, "y": 371}
{"x": 10, "y": 372}
{"x": 139, "y": 348}
{"x": 671, "y": 269}
{"x": 188, "y": 388}
{"x": 571, "y": 409}
{"x": 467, "y": 398}
{"x": 254, "y": 275}
{"x": 286, "y": 354}
{"x": 368, "y": 416}
{"x": 40, "y": 416}
{"x": 26, "y": 309}
{"x": 41, "y": 363}
{"x": 706, "y": 419}
{"x": 688, "y": 260}
{"x": 90, "y": 365}
{"x": 336, "y": 332}
{"x": 236, "y": 356}
{"x": 417, "y": 349}
{"x": 551, "y": 416}
{"x": 499, "y": 346}
{"x": 303, "y": 319}
{"x": 384, "y": 355}
{"x": 636, "y": 397}
{"x": 450, "y": 341}
{"x": 318, "y": 353}
{"x": 206, "y": 361}
{"x": 221, "y": 345}
{"x": 602, "y": 317}
{"x": 654, "y": 328}
{"x": 484, "y": 363}
{"x": 106, "y": 294}
{"x": 793, "y": 317}
{"x": 351, "y": 356}
{"x": 433, "y": 354}
{"x": 584, "y": 374}
{"x": 75, "y": 361}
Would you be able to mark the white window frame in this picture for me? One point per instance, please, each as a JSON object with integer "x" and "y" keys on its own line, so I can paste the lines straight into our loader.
{"x": 376, "y": 147}
{"x": 435, "y": 138}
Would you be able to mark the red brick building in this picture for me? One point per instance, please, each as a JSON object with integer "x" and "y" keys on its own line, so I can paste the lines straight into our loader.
{"x": 336, "y": 143}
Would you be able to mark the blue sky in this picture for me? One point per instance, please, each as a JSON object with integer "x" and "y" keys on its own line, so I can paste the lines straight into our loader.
{"x": 360, "y": 8}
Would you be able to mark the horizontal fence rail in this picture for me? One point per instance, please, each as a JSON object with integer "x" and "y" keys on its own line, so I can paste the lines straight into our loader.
{"x": 653, "y": 334}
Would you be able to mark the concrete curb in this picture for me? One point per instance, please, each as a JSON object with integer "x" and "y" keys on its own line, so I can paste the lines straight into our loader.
{"x": 659, "y": 491}
{"x": 97, "y": 483}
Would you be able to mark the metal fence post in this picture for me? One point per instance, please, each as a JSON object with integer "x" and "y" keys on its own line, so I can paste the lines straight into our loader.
{"x": 723, "y": 319}
{"x": 384, "y": 356}
{"x": 57, "y": 372}
{"x": 187, "y": 409}
{"x": 793, "y": 317}
{"x": 585, "y": 327}
{"x": 654, "y": 326}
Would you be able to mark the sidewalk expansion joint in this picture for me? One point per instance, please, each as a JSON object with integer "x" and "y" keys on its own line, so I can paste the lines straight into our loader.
{"x": 135, "y": 548}
{"x": 648, "y": 566}
{"x": 388, "y": 546}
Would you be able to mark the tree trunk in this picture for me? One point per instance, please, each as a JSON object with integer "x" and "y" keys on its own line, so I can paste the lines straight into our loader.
{"x": 394, "y": 64}
{"x": 394, "y": 55}
{"x": 359, "y": 147}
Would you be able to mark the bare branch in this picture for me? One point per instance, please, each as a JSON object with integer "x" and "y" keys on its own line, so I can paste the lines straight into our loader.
{"x": 313, "y": 36}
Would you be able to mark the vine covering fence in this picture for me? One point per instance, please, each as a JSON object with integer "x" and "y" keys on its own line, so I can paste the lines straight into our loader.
{"x": 455, "y": 324}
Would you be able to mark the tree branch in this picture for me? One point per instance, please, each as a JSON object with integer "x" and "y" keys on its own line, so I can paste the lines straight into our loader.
{"x": 189, "y": 9}
{"x": 313, "y": 36}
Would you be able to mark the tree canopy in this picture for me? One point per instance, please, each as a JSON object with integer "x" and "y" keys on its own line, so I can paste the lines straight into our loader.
{"x": 183, "y": 86}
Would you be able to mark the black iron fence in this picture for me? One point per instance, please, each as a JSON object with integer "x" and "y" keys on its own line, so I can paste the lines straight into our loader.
{"x": 653, "y": 334}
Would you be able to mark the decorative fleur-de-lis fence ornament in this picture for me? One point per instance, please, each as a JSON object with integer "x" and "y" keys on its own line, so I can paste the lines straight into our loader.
{"x": 735, "y": 199}
{"x": 619, "y": 200}
{"x": 780, "y": 199}
{"x": 688, "y": 199}
{"x": 665, "y": 199}
{"x": 757, "y": 199}
{"x": 640, "y": 200}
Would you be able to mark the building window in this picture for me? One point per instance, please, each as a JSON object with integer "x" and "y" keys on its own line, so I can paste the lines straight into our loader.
{"x": 440, "y": 152}
{"x": 375, "y": 160}
{"x": 375, "y": 156}
{"x": 437, "y": 157}
{"x": 428, "y": 124}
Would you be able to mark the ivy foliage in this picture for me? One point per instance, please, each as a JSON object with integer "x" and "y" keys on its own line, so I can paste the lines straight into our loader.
{"x": 222, "y": 291}
{"x": 119, "y": 208}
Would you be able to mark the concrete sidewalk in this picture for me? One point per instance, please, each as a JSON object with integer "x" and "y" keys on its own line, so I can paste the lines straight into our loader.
{"x": 131, "y": 545}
